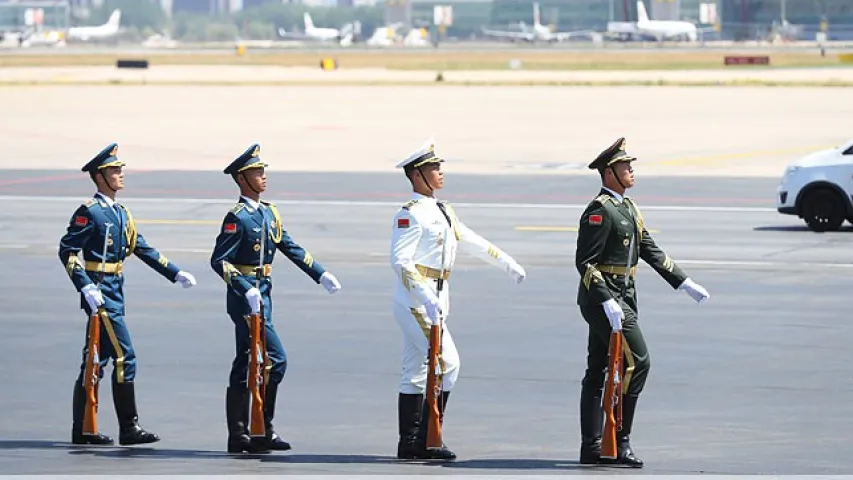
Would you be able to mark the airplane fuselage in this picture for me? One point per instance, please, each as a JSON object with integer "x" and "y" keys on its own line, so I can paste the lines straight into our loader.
{"x": 663, "y": 29}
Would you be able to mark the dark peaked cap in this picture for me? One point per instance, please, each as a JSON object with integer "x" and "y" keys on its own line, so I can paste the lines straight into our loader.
{"x": 613, "y": 154}
{"x": 108, "y": 157}
{"x": 251, "y": 158}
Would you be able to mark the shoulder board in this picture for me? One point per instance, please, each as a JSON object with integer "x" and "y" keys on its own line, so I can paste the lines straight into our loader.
{"x": 271, "y": 206}
{"x": 602, "y": 199}
{"x": 236, "y": 209}
{"x": 409, "y": 204}
{"x": 90, "y": 202}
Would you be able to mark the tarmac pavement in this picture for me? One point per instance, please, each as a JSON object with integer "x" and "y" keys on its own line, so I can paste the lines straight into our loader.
{"x": 755, "y": 381}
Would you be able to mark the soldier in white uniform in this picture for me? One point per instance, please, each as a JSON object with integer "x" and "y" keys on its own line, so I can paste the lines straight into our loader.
{"x": 422, "y": 229}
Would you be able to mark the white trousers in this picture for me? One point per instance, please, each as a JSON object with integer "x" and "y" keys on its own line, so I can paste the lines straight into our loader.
{"x": 416, "y": 347}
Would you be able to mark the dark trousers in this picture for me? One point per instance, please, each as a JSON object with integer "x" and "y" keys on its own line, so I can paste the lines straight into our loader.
{"x": 238, "y": 309}
{"x": 114, "y": 343}
{"x": 634, "y": 347}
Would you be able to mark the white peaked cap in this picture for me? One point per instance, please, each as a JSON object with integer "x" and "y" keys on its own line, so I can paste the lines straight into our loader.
{"x": 424, "y": 154}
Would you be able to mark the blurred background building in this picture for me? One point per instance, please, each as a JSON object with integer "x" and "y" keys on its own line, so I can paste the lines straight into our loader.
{"x": 730, "y": 19}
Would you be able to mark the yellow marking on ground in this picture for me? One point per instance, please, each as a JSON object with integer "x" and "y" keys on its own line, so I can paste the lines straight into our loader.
{"x": 177, "y": 222}
{"x": 740, "y": 156}
{"x": 553, "y": 228}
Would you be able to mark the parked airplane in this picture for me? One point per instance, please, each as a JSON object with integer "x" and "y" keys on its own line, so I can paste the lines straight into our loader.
{"x": 536, "y": 33}
{"x": 344, "y": 35}
{"x": 107, "y": 30}
{"x": 657, "y": 29}
{"x": 35, "y": 36}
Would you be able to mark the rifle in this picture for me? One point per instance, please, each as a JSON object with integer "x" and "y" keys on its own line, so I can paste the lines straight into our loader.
{"x": 434, "y": 369}
{"x": 257, "y": 355}
{"x": 612, "y": 398}
{"x": 91, "y": 375}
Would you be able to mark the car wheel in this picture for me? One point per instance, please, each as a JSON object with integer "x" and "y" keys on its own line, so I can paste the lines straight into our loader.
{"x": 823, "y": 210}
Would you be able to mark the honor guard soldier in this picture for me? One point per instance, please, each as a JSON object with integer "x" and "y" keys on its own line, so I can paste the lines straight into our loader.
{"x": 236, "y": 258}
{"x": 102, "y": 225}
{"x": 422, "y": 230}
{"x": 610, "y": 229}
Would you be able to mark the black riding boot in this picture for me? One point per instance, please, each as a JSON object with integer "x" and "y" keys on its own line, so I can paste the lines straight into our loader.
{"x": 592, "y": 418}
{"x": 623, "y": 446}
{"x": 440, "y": 453}
{"x": 237, "y": 418}
{"x": 273, "y": 440}
{"x": 130, "y": 433}
{"x": 409, "y": 409}
{"x": 78, "y": 410}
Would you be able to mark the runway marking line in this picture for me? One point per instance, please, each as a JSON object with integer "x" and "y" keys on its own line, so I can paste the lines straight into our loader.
{"x": 177, "y": 222}
{"x": 695, "y": 261}
{"x": 359, "y": 203}
{"x": 554, "y": 228}
{"x": 740, "y": 156}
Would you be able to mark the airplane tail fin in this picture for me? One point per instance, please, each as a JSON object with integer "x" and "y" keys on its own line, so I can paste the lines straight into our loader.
{"x": 309, "y": 24}
{"x": 642, "y": 15}
{"x": 115, "y": 19}
{"x": 536, "y": 14}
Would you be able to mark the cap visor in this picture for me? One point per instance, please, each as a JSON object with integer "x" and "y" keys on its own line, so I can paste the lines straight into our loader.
{"x": 429, "y": 160}
{"x": 114, "y": 163}
{"x": 254, "y": 165}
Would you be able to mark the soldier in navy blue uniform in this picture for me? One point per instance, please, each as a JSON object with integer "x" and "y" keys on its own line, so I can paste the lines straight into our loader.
{"x": 236, "y": 258}
{"x": 81, "y": 251}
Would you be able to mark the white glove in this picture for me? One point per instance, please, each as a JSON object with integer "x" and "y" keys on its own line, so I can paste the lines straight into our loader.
{"x": 614, "y": 314}
{"x": 695, "y": 290}
{"x": 253, "y": 296}
{"x": 330, "y": 282}
{"x": 516, "y": 271}
{"x": 433, "y": 311}
{"x": 93, "y": 296}
{"x": 185, "y": 279}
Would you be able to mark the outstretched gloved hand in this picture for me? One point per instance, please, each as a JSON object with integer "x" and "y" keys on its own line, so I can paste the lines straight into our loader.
{"x": 516, "y": 271}
{"x": 329, "y": 281}
{"x": 695, "y": 290}
{"x": 185, "y": 279}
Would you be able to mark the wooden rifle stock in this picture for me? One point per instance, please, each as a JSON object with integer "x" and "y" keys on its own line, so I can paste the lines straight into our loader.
{"x": 612, "y": 397}
{"x": 92, "y": 374}
{"x": 257, "y": 354}
{"x": 434, "y": 368}
{"x": 433, "y": 389}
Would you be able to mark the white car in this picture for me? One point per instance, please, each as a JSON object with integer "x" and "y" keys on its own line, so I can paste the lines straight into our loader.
{"x": 819, "y": 188}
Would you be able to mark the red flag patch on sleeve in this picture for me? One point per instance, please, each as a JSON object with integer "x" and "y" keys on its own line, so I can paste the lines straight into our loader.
{"x": 595, "y": 219}
{"x": 80, "y": 221}
{"x": 230, "y": 228}
{"x": 402, "y": 223}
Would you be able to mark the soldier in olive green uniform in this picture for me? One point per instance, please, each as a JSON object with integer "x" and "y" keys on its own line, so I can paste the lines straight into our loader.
{"x": 610, "y": 229}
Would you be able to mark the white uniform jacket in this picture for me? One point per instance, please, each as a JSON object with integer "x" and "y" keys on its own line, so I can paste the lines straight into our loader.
{"x": 420, "y": 232}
